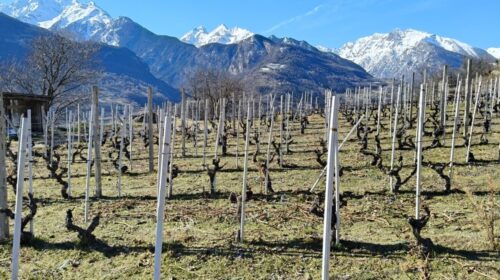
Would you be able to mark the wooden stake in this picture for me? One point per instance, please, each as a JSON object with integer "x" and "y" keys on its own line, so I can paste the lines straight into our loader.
{"x": 4, "y": 221}
{"x": 455, "y": 124}
{"x": 183, "y": 124}
{"x": 468, "y": 95}
{"x": 79, "y": 123}
{"x": 150, "y": 130}
{"x": 131, "y": 134}
{"x": 205, "y": 133}
{"x": 478, "y": 89}
{"x": 30, "y": 165}
{"x": 238, "y": 134}
{"x": 70, "y": 151}
{"x": 269, "y": 147}
{"x": 172, "y": 155}
{"x": 245, "y": 172}
{"x": 95, "y": 139}
{"x": 89, "y": 171}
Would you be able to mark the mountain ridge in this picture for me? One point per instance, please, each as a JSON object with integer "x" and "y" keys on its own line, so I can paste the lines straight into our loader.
{"x": 401, "y": 52}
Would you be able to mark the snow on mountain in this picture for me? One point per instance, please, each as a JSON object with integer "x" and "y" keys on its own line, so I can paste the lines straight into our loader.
{"x": 494, "y": 52}
{"x": 327, "y": 49}
{"x": 35, "y": 11}
{"x": 401, "y": 52}
{"x": 81, "y": 19}
{"x": 221, "y": 34}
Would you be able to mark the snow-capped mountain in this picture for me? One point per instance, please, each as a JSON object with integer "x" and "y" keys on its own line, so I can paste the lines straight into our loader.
{"x": 294, "y": 65}
{"x": 81, "y": 19}
{"x": 35, "y": 11}
{"x": 327, "y": 49}
{"x": 494, "y": 52}
{"x": 401, "y": 52}
{"x": 123, "y": 75}
{"x": 221, "y": 34}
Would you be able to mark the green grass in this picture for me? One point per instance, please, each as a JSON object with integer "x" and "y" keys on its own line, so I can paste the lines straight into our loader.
{"x": 283, "y": 240}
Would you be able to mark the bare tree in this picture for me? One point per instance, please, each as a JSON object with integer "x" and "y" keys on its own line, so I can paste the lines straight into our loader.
{"x": 213, "y": 85}
{"x": 56, "y": 67}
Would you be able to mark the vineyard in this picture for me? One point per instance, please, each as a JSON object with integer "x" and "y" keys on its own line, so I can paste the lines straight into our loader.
{"x": 241, "y": 184}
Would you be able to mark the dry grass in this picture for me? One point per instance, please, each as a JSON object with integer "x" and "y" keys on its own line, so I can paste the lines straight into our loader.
{"x": 283, "y": 240}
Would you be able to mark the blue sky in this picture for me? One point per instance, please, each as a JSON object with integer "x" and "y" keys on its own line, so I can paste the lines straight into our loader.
{"x": 326, "y": 22}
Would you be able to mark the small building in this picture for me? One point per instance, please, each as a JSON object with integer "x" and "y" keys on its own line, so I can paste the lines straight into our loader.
{"x": 18, "y": 104}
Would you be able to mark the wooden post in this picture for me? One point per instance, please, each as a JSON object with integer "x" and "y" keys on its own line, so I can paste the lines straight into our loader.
{"x": 120, "y": 153}
{"x": 21, "y": 157}
{"x": 183, "y": 123}
{"x": 455, "y": 124}
{"x": 233, "y": 112}
{"x": 421, "y": 120}
{"x": 52, "y": 121}
{"x": 379, "y": 110}
{"x": 150, "y": 130}
{"x": 332, "y": 177}
{"x": 4, "y": 221}
{"x": 97, "y": 143}
{"x": 393, "y": 150}
{"x": 205, "y": 132}
{"x": 238, "y": 134}
{"x": 412, "y": 93}
{"x": 89, "y": 171}
{"x": 160, "y": 208}
{"x": 269, "y": 147}
{"x": 161, "y": 115}
{"x": 78, "y": 126}
{"x": 30, "y": 164}
{"x": 391, "y": 109}
{"x": 131, "y": 134}
{"x": 220, "y": 127}
{"x": 478, "y": 89}
{"x": 172, "y": 154}
{"x": 281, "y": 132}
{"x": 245, "y": 172}
{"x": 468, "y": 94}
{"x": 442, "y": 101}
{"x": 70, "y": 151}
{"x": 101, "y": 128}
{"x": 195, "y": 126}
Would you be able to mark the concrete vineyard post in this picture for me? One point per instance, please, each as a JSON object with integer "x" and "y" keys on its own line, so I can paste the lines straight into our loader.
{"x": 420, "y": 125}
{"x": 21, "y": 158}
{"x": 160, "y": 208}
{"x": 331, "y": 179}
{"x": 395, "y": 129}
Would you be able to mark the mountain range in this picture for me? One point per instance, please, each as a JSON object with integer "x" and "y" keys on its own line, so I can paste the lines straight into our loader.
{"x": 221, "y": 34}
{"x": 125, "y": 77}
{"x": 284, "y": 64}
{"x": 401, "y": 52}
